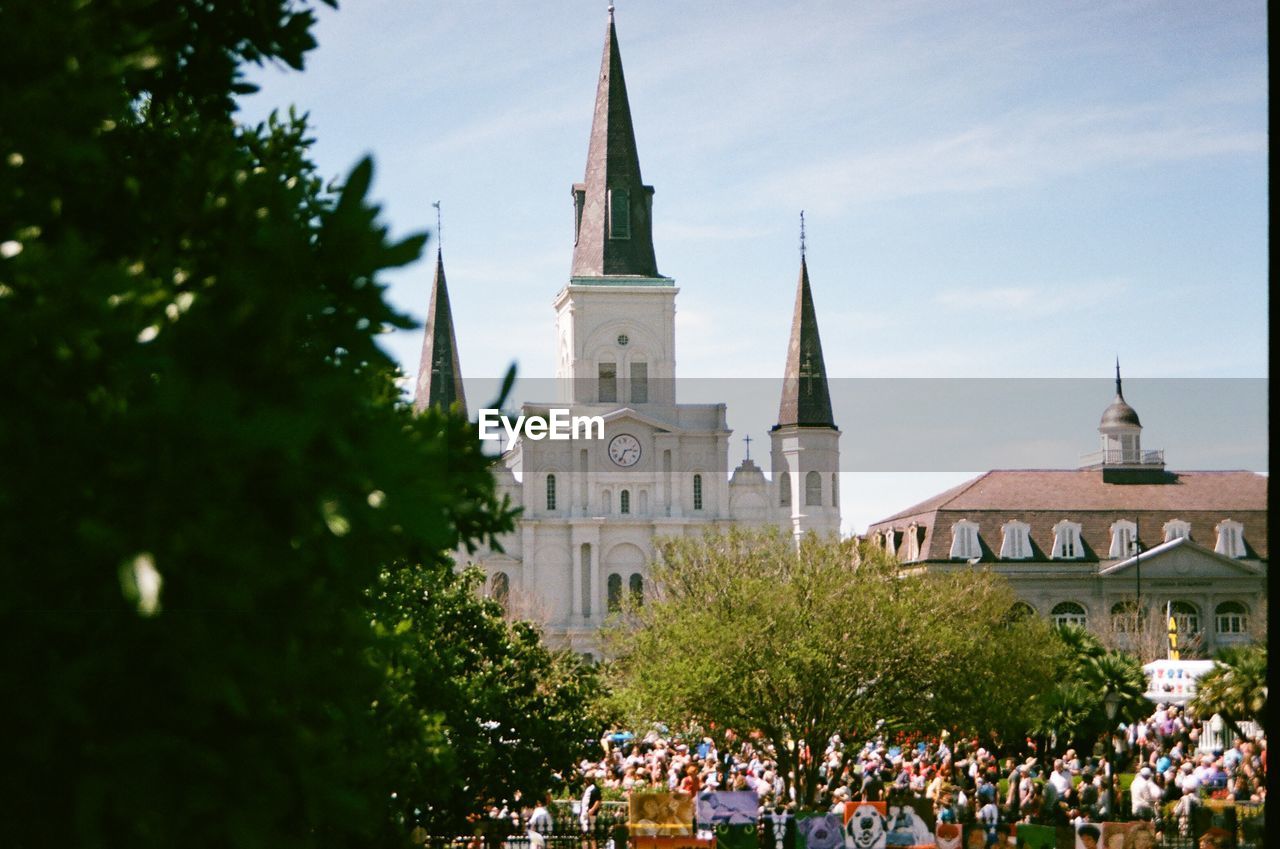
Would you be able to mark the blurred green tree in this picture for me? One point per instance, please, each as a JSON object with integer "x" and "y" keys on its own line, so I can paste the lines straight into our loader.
{"x": 210, "y": 487}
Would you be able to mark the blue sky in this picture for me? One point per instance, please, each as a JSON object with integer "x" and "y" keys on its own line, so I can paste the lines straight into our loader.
{"x": 992, "y": 189}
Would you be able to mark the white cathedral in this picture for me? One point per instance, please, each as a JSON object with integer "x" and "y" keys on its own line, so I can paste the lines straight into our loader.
{"x": 591, "y": 509}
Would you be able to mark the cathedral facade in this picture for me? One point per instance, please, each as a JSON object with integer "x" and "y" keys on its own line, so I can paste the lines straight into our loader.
{"x": 592, "y": 508}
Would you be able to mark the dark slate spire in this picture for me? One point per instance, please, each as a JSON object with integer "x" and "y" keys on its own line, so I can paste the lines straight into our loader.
{"x": 614, "y": 228}
{"x": 806, "y": 399}
{"x": 439, "y": 377}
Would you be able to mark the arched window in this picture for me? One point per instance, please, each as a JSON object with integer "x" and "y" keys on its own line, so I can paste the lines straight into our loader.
{"x": 606, "y": 499}
{"x": 624, "y": 501}
{"x": 1232, "y": 617}
{"x": 1016, "y": 541}
{"x": 784, "y": 489}
{"x": 551, "y": 492}
{"x": 1019, "y": 611}
{"x": 1126, "y": 618}
{"x": 813, "y": 490}
{"x": 1123, "y": 536}
{"x": 615, "y": 592}
{"x": 1068, "y": 613}
{"x": 500, "y": 589}
{"x": 1176, "y": 529}
{"x": 637, "y": 588}
{"x": 1066, "y": 541}
{"x": 835, "y": 490}
{"x": 1230, "y": 538}
{"x": 964, "y": 540}
{"x": 697, "y": 492}
{"x": 1186, "y": 615}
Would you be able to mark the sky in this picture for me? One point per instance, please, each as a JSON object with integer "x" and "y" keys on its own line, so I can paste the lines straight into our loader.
{"x": 991, "y": 190}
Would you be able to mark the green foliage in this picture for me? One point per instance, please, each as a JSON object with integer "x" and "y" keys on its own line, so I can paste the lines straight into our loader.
{"x": 514, "y": 712}
{"x": 1236, "y": 687}
{"x": 210, "y": 486}
{"x": 1075, "y": 710}
{"x": 749, "y": 633}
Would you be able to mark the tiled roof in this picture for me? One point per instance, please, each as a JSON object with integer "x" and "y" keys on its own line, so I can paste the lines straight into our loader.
{"x": 1042, "y": 498}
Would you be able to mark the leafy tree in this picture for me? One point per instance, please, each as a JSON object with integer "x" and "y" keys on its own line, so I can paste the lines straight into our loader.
{"x": 1236, "y": 687}
{"x": 210, "y": 485}
{"x": 513, "y": 711}
{"x": 1075, "y": 709}
{"x": 749, "y": 633}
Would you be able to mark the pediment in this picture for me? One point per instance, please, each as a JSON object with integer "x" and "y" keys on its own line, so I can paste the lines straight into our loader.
{"x": 1181, "y": 559}
{"x": 627, "y": 414}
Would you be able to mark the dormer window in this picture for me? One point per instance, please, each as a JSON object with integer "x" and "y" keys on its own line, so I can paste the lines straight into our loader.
{"x": 1230, "y": 538}
{"x": 1176, "y": 529}
{"x": 1016, "y": 541}
{"x": 964, "y": 540}
{"x": 619, "y": 214}
{"x": 1123, "y": 535}
{"x": 911, "y": 551}
{"x": 1066, "y": 541}
{"x": 891, "y": 542}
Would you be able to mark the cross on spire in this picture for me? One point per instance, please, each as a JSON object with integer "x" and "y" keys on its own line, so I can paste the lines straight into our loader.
{"x": 747, "y": 439}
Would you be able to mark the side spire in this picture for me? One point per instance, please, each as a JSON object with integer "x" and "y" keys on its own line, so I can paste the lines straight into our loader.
{"x": 439, "y": 376}
{"x": 806, "y": 397}
{"x": 614, "y": 235}
{"x": 1119, "y": 391}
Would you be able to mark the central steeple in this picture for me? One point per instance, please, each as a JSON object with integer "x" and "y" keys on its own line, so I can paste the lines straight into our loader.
{"x": 612, "y": 206}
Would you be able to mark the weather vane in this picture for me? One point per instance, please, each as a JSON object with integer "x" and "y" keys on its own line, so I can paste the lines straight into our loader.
{"x": 802, "y": 234}
{"x": 439, "y": 226}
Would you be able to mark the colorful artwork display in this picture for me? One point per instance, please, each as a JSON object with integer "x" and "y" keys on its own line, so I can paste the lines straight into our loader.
{"x": 865, "y": 825}
{"x": 905, "y": 827}
{"x": 1088, "y": 836}
{"x": 948, "y": 835}
{"x": 1030, "y": 836}
{"x": 661, "y": 814}
{"x": 819, "y": 831}
{"x": 740, "y": 807}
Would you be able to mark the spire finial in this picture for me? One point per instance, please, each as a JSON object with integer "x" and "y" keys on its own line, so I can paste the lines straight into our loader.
{"x": 802, "y": 234}
{"x": 439, "y": 229}
{"x": 610, "y": 11}
{"x": 747, "y": 439}
{"x": 1118, "y": 392}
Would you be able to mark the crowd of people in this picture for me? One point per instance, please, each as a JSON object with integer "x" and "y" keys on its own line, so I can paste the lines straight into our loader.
{"x": 959, "y": 780}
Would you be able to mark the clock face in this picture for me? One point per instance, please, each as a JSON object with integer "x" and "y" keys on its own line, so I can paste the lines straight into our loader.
{"x": 624, "y": 449}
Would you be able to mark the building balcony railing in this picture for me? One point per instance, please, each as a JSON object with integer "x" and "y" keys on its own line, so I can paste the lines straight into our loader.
{"x": 1123, "y": 457}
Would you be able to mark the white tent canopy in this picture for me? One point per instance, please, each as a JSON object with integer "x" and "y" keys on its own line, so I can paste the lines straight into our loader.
{"x": 1174, "y": 681}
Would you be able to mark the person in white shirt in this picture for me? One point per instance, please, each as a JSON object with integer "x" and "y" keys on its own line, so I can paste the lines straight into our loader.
{"x": 540, "y": 822}
{"x": 1142, "y": 793}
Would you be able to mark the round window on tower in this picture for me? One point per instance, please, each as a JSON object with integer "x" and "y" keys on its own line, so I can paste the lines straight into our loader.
{"x": 623, "y": 338}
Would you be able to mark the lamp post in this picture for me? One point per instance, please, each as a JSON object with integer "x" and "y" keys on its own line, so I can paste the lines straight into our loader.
{"x": 1112, "y": 703}
{"x": 1137, "y": 571}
